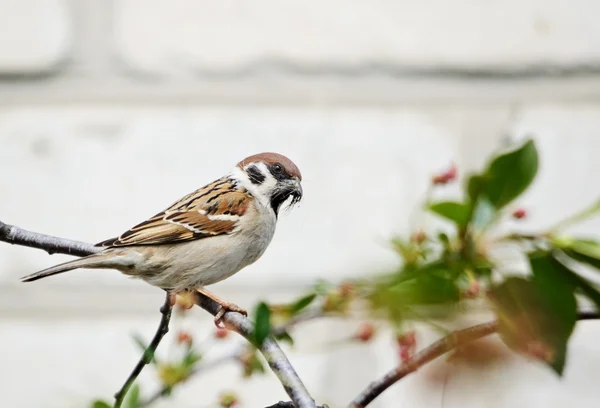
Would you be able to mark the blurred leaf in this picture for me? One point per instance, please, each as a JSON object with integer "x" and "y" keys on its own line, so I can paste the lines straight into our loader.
{"x": 508, "y": 175}
{"x": 133, "y": 397}
{"x": 251, "y": 363}
{"x": 416, "y": 292}
{"x": 262, "y": 325}
{"x": 322, "y": 287}
{"x": 556, "y": 285}
{"x": 100, "y": 404}
{"x": 475, "y": 186}
{"x": 285, "y": 337}
{"x": 301, "y": 303}
{"x": 582, "y": 250}
{"x": 191, "y": 358}
{"x": 456, "y": 212}
{"x": 537, "y": 316}
{"x": 578, "y": 217}
{"x": 172, "y": 374}
{"x": 148, "y": 354}
{"x": 584, "y": 286}
{"x": 483, "y": 213}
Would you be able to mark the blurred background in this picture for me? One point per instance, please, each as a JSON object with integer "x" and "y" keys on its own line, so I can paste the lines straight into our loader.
{"x": 110, "y": 110}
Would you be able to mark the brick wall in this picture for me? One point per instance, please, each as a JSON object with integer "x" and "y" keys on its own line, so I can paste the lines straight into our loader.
{"x": 109, "y": 110}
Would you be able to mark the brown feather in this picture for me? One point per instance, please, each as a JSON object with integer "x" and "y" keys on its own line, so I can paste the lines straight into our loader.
{"x": 192, "y": 217}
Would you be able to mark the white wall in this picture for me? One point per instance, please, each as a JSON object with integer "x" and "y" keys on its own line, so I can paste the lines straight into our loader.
{"x": 110, "y": 110}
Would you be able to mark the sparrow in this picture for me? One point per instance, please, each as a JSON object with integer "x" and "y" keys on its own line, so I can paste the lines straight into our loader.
{"x": 206, "y": 236}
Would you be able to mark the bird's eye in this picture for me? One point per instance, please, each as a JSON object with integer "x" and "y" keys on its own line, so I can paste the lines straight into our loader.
{"x": 277, "y": 169}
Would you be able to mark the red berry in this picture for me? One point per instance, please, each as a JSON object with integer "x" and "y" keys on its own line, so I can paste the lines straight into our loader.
{"x": 184, "y": 338}
{"x": 407, "y": 344}
{"x": 447, "y": 176}
{"x": 221, "y": 333}
{"x": 519, "y": 214}
{"x": 365, "y": 332}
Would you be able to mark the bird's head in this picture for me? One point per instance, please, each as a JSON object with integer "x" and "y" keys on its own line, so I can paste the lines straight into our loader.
{"x": 271, "y": 177}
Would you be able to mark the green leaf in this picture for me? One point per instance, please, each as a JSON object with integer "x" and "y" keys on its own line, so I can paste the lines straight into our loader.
{"x": 190, "y": 359}
{"x": 285, "y": 337}
{"x": 556, "y": 285}
{"x": 508, "y": 175}
{"x": 582, "y": 250}
{"x": 475, "y": 186}
{"x": 251, "y": 364}
{"x": 456, "y": 212}
{"x": 100, "y": 404}
{"x": 581, "y": 215}
{"x": 133, "y": 397}
{"x": 537, "y": 316}
{"x": 262, "y": 325}
{"x": 424, "y": 291}
{"x": 585, "y": 287}
{"x": 580, "y": 254}
{"x": 303, "y": 302}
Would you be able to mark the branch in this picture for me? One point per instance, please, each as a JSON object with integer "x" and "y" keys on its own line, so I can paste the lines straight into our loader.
{"x": 289, "y": 404}
{"x": 53, "y": 245}
{"x": 435, "y": 350}
{"x": 148, "y": 356}
{"x": 440, "y": 347}
{"x": 271, "y": 351}
{"x": 197, "y": 370}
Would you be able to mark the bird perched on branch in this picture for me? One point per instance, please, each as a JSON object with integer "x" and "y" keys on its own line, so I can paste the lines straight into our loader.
{"x": 206, "y": 236}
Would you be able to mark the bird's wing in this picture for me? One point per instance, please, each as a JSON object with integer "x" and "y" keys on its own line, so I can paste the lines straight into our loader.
{"x": 212, "y": 210}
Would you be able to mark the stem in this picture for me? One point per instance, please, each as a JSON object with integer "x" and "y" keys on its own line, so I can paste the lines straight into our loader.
{"x": 163, "y": 328}
{"x": 270, "y": 350}
{"x": 423, "y": 357}
{"x": 580, "y": 216}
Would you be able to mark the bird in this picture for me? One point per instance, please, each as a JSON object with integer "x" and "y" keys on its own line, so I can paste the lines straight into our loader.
{"x": 206, "y": 236}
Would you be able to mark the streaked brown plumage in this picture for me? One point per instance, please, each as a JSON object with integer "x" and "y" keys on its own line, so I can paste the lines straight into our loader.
{"x": 206, "y": 236}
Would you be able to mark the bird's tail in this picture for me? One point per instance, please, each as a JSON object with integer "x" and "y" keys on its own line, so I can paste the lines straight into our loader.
{"x": 91, "y": 261}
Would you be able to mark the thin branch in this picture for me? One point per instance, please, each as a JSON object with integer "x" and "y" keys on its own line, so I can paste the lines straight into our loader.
{"x": 423, "y": 357}
{"x": 435, "y": 350}
{"x": 270, "y": 350}
{"x": 163, "y": 328}
{"x": 275, "y": 357}
{"x": 289, "y": 404}
{"x": 300, "y": 318}
{"x": 53, "y": 245}
{"x": 166, "y": 390}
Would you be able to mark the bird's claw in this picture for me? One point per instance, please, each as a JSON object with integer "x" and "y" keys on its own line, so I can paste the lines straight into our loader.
{"x": 224, "y": 308}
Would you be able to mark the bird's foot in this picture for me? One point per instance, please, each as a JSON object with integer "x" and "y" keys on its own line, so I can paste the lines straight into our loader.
{"x": 227, "y": 307}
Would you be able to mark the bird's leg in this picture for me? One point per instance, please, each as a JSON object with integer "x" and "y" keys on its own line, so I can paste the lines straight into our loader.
{"x": 225, "y": 306}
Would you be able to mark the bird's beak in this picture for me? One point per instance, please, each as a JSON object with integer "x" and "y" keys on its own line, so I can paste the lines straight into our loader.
{"x": 296, "y": 189}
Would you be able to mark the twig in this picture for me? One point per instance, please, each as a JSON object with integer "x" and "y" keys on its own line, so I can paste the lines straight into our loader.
{"x": 197, "y": 370}
{"x": 430, "y": 353}
{"x": 53, "y": 245}
{"x": 289, "y": 404}
{"x": 300, "y": 318}
{"x": 275, "y": 357}
{"x": 270, "y": 350}
{"x": 163, "y": 328}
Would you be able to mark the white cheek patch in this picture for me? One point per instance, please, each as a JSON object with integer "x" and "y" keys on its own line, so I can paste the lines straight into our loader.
{"x": 262, "y": 191}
